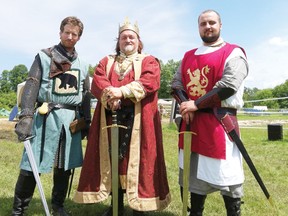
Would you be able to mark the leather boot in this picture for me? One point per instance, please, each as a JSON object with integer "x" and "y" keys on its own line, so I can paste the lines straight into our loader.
{"x": 197, "y": 204}
{"x": 232, "y": 206}
{"x": 24, "y": 190}
{"x": 181, "y": 195}
{"x": 109, "y": 211}
{"x": 59, "y": 191}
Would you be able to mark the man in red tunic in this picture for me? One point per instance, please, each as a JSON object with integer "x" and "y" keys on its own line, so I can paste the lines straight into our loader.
{"x": 212, "y": 78}
{"x": 127, "y": 83}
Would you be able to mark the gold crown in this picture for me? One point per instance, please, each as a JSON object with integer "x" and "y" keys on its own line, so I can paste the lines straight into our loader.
{"x": 128, "y": 26}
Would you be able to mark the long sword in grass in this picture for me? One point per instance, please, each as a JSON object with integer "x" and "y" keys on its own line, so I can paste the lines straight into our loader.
{"x": 33, "y": 164}
{"x": 114, "y": 155}
{"x": 180, "y": 97}
{"x": 186, "y": 166}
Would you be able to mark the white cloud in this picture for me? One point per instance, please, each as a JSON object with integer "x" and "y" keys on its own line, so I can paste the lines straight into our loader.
{"x": 268, "y": 63}
{"x": 278, "y": 41}
{"x": 32, "y": 25}
{"x": 168, "y": 29}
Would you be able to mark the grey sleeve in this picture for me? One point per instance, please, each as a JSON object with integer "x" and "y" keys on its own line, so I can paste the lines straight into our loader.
{"x": 177, "y": 80}
{"x": 235, "y": 71}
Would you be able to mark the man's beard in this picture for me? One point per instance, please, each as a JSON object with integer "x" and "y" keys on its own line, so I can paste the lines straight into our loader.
{"x": 210, "y": 39}
{"x": 129, "y": 49}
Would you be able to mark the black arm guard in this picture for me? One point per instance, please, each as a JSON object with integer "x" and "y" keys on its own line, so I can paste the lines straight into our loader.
{"x": 214, "y": 97}
{"x": 86, "y": 107}
{"x": 28, "y": 100}
{"x": 31, "y": 88}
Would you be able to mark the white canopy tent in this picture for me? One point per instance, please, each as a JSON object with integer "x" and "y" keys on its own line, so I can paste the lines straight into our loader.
{"x": 19, "y": 92}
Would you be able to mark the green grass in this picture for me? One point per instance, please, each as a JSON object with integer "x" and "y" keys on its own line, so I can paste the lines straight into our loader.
{"x": 269, "y": 157}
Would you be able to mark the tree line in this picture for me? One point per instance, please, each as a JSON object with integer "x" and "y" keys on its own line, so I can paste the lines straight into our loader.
{"x": 273, "y": 98}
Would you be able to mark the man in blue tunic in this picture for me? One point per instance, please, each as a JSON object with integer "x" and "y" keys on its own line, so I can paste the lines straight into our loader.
{"x": 56, "y": 93}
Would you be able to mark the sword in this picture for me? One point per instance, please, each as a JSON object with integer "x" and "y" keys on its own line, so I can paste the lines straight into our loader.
{"x": 31, "y": 158}
{"x": 114, "y": 154}
{"x": 186, "y": 166}
{"x": 181, "y": 96}
{"x": 230, "y": 129}
{"x": 71, "y": 181}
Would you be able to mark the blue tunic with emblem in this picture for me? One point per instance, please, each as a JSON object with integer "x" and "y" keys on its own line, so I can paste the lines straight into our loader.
{"x": 64, "y": 89}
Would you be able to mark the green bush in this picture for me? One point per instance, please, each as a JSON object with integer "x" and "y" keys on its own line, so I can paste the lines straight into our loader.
{"x": 8, "y": 100}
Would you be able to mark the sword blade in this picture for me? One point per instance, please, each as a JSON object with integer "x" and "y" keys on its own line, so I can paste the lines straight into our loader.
{"x": 36, "y": 174}
{"x": 186, "y": 168}
{"x": 114, "y": 155}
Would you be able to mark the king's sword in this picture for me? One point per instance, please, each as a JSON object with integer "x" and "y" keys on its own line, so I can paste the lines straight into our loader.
{"x": 114, "y": 155}
{"x": 33, "y": 164}
{"x": 186, "y": 166}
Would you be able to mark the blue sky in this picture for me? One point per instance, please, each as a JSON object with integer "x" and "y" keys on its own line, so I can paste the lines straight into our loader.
{"x": 168, "y": 29}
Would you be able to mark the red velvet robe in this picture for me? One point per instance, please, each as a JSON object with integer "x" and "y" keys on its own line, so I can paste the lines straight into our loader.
{"x": 144, "y": 166}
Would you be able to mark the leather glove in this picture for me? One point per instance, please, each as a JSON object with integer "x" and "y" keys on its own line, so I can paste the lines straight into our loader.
{"x": 23, "y": 127}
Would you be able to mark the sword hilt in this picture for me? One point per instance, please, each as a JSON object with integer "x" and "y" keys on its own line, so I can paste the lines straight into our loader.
{"x": 114, "y": 117}
{"x": 29, "y": 137}
{"x": 114, "y": 122}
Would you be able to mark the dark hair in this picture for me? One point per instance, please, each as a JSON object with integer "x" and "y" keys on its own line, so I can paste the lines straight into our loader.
{"x": 73, "y": 21}
{"x": 140, "y": 47}
{"x": 208, "y": 11}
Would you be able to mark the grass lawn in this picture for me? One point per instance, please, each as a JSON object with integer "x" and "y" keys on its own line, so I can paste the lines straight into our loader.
{"x": 269, "y": 157}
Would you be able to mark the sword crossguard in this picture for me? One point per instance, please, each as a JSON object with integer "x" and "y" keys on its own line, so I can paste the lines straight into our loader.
{"x": 187, "y": 132}
{"x": 114, "y": 126}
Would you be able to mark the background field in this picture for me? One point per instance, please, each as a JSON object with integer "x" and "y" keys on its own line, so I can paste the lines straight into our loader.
{"x": 269, "y": 157}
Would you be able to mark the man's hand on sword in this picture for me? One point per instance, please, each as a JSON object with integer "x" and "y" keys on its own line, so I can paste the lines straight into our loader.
{"x": 187, "y": 109}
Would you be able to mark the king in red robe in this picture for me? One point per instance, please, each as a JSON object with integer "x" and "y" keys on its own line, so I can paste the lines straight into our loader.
{"x": 142, "y": 169}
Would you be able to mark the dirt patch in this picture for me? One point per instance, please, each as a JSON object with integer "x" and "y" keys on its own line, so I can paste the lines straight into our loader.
{"x": 251, "y": 123}
{"x": 6, "y": 124}
{"x": 7, "y": 129}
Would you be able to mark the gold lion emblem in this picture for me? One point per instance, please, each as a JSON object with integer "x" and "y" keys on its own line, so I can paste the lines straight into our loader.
{"x": 198, "y": 81}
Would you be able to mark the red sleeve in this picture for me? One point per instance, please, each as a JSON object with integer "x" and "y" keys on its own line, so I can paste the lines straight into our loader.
{"x": 150, "y": 75}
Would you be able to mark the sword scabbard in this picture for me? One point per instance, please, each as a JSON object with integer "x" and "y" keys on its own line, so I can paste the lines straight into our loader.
{"x": 229, "y": 127}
